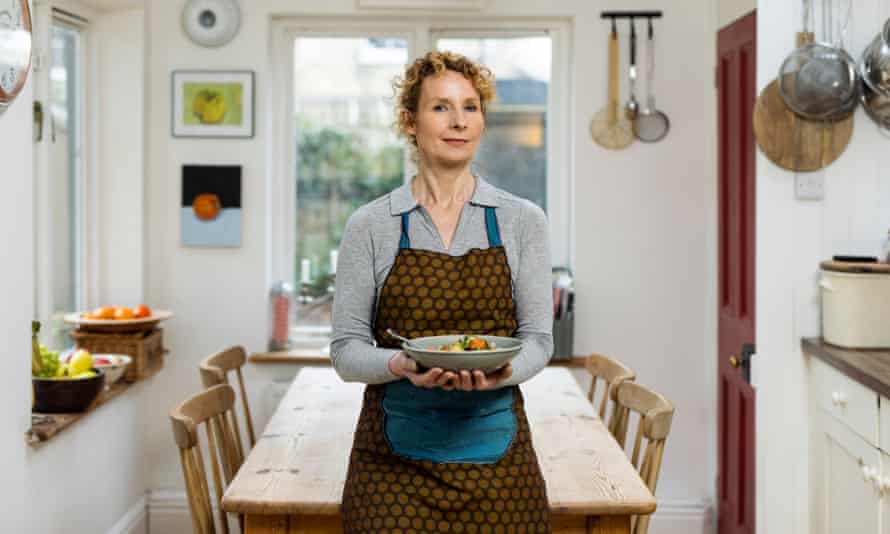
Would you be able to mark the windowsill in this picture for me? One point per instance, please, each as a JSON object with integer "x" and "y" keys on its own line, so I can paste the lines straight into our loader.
{"x": 55, "y": 423}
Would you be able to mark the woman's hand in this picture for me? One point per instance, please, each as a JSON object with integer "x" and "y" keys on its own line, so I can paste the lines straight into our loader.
{"x": 478, "y": 381}
{"x": 404, "y": 366}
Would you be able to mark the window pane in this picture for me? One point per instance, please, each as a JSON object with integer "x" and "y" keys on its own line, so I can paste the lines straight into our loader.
{"x": 66, "y": 181}
{"x": 513, "y": 154}
{"x": 347, "y": 151}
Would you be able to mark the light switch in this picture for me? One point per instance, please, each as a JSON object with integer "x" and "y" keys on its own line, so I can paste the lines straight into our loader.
{"x": 809, "y": 185}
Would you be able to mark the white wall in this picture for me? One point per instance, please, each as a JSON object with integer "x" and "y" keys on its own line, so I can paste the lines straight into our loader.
{"x": 16, "y": 308}
{"x": 55, "y": 488}
{"x": 792, "y": 238}
{"x": 730, "y": 10}
{"x": 645, "y": 219}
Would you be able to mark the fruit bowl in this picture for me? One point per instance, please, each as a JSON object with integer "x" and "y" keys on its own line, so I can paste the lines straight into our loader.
{"x": 114, "y": 365}
{"x": 117, "y": 325}
{"x": 66, "y": 395}
{"x": 426, "y": 351}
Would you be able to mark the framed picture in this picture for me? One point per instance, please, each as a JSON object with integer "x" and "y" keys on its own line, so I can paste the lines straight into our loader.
{"x": 212, "y": 103}
{"x": 210, "y": 210}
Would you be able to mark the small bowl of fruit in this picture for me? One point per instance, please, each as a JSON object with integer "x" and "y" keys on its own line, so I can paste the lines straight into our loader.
{"x": 64, "y": 387}
{"x": 114, "y": 365}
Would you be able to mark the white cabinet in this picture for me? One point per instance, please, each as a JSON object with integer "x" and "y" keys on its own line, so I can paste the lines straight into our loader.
{"x": 848, "y": 470}
{"x": 850, "y": 476}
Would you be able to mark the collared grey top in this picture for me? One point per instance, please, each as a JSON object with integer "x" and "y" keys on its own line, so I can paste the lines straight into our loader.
{"x": 369, "y": 248}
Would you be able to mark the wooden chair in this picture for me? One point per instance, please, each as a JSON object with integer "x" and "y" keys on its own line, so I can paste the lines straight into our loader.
{"x": 655, "y": 416}
{"x": 208, "y": 408}
{"x": 214, "y": 370}
{"x": 611, "y": 372}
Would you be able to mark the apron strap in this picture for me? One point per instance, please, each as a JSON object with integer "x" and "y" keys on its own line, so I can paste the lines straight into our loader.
{"x": 491, "y": 226}
{"x": 404, "y": 242}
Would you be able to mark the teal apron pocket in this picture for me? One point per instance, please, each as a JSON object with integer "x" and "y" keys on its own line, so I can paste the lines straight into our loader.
{"x": 448, "y": 426}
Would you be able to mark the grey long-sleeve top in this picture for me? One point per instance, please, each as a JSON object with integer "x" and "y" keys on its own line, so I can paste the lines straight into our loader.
{"x": 369, "y": 247}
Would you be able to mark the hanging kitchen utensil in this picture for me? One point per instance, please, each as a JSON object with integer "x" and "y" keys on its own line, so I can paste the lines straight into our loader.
{"x": 651, "y": 125}
{"x": 632, "y": 108}
{"x": 876, "y": 105}
{"x": 874, "y": 73}
{"x": 818, "y": 80}
{"x": 609, "y": 128}
{"x": 874, "y": 64}
{"x": 793, "y": 142}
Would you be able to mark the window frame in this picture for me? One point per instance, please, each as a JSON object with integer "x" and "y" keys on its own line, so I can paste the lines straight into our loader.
{"x": 86, "y": 196}
{"x": 420, "y": 32}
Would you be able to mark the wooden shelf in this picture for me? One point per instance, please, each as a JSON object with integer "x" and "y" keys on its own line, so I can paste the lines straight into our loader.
{"x": 46, "y": 426}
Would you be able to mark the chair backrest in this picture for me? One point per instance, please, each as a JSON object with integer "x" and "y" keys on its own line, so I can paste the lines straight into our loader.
{"x": 207, "y": 408}
{"x": 214, "y": 370}
{"x": 655, "y": 416}
{"x": 611, "y": 372}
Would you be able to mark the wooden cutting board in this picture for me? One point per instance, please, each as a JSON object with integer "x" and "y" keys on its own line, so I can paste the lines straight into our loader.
{"x": 855, "y": 267}
{"x": 795, "y": 143}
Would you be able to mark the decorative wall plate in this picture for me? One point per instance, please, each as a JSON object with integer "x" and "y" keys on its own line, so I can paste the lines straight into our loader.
{"x": 15, "y": 49}
{"x": 211, "y": 22}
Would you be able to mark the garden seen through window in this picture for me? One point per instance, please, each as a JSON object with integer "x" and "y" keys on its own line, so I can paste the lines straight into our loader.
{"x": 347, "y": 152}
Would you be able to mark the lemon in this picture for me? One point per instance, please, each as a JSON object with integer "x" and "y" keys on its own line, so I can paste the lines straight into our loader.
{"x": 80, "y": 362}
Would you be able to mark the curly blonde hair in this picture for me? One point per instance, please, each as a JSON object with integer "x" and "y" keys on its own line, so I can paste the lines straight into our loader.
{"x": 407, "y": 88}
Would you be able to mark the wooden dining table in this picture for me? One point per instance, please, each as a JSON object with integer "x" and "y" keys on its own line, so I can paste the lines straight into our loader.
{"x": 292, "y": 480}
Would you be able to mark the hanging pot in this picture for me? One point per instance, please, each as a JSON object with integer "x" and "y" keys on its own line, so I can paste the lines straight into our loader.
{"x": 874, "y": 64}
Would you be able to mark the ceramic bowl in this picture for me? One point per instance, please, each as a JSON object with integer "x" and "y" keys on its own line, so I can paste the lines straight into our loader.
{"x": 426, "y": 351}
{"x": 66, "y": 395}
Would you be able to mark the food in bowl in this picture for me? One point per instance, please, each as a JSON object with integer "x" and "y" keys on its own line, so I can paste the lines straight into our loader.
{"x": 113, "y": 365}
{"x": 465, "y": 343}
{"x": 118, "y": 313}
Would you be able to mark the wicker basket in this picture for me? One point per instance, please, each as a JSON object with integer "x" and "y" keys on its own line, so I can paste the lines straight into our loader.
{"x": 146, "y": 349}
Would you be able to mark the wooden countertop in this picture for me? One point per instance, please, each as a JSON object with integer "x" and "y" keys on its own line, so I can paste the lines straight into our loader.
{"x": 869, "y": 367}
{"x": 315, "y": 357}
{"x": 298, "y": 466}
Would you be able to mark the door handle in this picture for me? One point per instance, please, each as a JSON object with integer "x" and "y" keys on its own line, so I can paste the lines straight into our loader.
{"x": 743, "y": 362}
{"x": 38, "y": 121}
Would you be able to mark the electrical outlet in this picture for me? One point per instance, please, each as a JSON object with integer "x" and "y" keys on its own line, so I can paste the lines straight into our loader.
{"x": 809, "y": 186}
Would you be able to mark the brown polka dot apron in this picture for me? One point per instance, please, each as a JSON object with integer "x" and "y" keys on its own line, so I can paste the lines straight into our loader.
{"x": 435, "y": 461}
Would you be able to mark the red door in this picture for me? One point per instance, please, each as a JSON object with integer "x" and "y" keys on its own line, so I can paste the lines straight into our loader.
{"x": 736, "y": 92}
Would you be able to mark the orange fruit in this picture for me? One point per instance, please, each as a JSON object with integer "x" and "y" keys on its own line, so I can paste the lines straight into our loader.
{"x": 206, "y": 206}
{"x": 123, "y": 313}
{"x": 141, "y": 311}
{"x": 105, "y": 312}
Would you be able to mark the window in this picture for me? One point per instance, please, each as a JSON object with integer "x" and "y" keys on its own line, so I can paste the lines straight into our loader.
{"x": 337, "y": 149}
{"x": 347, "y": 151}
{"x": 60, "y": 256}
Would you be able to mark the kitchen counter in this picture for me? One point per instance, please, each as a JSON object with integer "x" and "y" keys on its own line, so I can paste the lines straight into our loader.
{"x": 869, "y": 367}
{"x": 322, "y": 356}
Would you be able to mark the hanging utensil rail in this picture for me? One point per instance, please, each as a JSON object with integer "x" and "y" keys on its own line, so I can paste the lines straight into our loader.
{"x": 630, "y": 14}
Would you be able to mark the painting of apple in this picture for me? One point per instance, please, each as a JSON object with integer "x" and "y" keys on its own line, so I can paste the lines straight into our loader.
{"x": 213, "y": 103}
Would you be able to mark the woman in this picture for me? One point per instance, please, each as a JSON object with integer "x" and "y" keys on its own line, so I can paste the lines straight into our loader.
{"x": 435, "y": 450}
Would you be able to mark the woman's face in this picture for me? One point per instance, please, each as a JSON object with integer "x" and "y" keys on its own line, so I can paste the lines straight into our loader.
{"x": 448, "y": 122}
